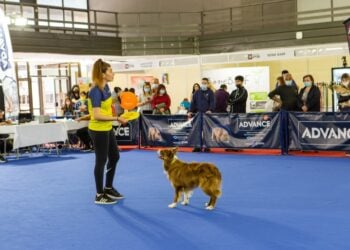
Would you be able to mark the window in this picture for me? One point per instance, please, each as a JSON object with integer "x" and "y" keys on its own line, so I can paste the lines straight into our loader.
{"x": 77, "y": 4}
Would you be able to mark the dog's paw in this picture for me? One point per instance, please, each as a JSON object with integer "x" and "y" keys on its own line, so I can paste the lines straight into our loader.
{"x": 185, "y": 203}
{"x": 209, "y": 208}
{"x": 172, "y": 205}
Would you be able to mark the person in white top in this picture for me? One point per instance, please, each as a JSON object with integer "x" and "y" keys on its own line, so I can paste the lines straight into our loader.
{"x": 145, "y": 99}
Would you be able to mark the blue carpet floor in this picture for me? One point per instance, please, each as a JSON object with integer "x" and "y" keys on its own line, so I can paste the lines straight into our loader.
{"x": 268, "y": 202}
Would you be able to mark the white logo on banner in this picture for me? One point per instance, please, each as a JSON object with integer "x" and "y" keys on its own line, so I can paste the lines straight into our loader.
{"x": 7, "y": 73}
{"x": 326, "y": 133}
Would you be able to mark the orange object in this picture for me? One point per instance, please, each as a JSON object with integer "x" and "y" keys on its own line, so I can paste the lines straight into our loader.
{"x": 128, "y": 100}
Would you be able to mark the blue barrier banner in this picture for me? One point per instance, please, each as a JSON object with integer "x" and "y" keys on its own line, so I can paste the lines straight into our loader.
{"x": 171, "y": 130}
{"x": 319, "y": 131}
{"x": 128, "y": 134}
{"x": 242, "y": 130}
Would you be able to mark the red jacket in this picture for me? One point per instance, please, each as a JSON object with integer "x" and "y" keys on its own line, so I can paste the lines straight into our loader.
{"x": 158, "y": 99}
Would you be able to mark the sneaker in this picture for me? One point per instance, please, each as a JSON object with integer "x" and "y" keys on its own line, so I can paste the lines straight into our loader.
{"x": 196, "y": 150}
{"x": 104, "y": 199}
{"x": 206, "y": 150}
{"x": 2, "y": 159}
{"x": 113, "y": 193}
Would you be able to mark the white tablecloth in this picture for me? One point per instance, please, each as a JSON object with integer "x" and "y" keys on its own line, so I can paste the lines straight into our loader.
{"x": 33, "y": 133}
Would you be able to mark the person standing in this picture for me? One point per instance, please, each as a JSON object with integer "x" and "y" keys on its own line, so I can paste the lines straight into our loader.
{"x": 238, "y": 98}
{"x": 309, "y": 98}
{"x": 145, "y": 99}
{"x": 221, "y": 99}
{"x": 203, "y": 101}
{"x": 161, "y": 101}
{"x": 288, "y": 96}
{"x": 102, "y": 134}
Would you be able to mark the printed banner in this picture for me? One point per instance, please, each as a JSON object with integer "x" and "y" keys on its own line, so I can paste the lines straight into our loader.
{"x": 8, "y": 84}
{"x": 319, "y": 131}
{"x": 347, "y": 29}
{"x": 128, "y": 134}
{"x": 242, "y": 130}
{"x": 171, "y": 130}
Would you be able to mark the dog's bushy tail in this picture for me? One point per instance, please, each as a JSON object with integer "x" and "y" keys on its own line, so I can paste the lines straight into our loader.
{"x": 210, "y": 179}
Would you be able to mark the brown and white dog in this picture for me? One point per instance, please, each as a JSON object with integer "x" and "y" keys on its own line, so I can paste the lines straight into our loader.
{"x": 184, "y": 177}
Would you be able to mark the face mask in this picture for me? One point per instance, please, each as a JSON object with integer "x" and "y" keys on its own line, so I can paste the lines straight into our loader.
{"x": 147, "y": 90}
{"x": 162, "y": 92}
{"x": 204, "y": 87}
{"x": 289, "y": 82}
{"x": 307, "y": 84}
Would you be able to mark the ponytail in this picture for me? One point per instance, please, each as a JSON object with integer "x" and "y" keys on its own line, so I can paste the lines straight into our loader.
{"x": 100, "y": 67}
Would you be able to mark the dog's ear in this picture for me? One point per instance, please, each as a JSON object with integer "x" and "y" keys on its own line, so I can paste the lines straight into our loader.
{"x": 175, "y": 150}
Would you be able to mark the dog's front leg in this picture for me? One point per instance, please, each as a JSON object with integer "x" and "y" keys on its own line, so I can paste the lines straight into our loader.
{"x": 176, "y": 198}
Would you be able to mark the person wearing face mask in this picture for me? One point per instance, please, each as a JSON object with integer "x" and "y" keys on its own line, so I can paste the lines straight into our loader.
{"x": 203, "y": 101}
{"x": 161, "y": 101}
{"x": 155, "y": 85}
{"x": 238, "y": 98}
{"x": 144, "y": 99}
{"x": 309, "y": 98}
{"x": 290, "y": 82}
{"x": 288, "y": 96}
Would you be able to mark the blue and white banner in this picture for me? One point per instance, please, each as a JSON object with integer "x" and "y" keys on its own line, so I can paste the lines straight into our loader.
{"x": 242, "y": 130}
{"x": 128, "y": 134}
{"x": 8, "y": 82}
{"x": 319, "y": 131}
{"x": 171, "y": 130}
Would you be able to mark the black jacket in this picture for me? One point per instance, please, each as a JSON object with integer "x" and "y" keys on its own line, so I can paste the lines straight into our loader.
{"x": 313, "y": 101}
{"x": 238, "y": 100}
{"x": 288, "y": 95}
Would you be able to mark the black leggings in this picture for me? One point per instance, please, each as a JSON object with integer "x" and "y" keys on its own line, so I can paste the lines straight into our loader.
{"x": 105, "y": 146}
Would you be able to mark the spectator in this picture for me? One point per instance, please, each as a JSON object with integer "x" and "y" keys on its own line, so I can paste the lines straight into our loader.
{"x": 221, "y": 99}
{"x": 116, "y": 101}
{"x": 185, "y": 104}
{"x": 80, "y": 106}
{"x": 74, "y": 94}
{"x": 238, "y": 98}
{"x": 195, "y": 87}
{"x": 68, "y": 107}
{"x": 184, "y": 107}
{"x": 155, "y": 85}
{"x": 161, "y": 101}
{"x": 203, "y": 101}
{"x": 132, "y": 90}
{"x": 343, "y": 91}
{"x": 288, "y": 96}
{"x": 288, "y": 79}
{"x": 309, "y": 98}
{"x": 145, "y": 99}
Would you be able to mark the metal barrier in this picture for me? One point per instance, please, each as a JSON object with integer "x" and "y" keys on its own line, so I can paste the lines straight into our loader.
{"x": 256, "y": 16}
